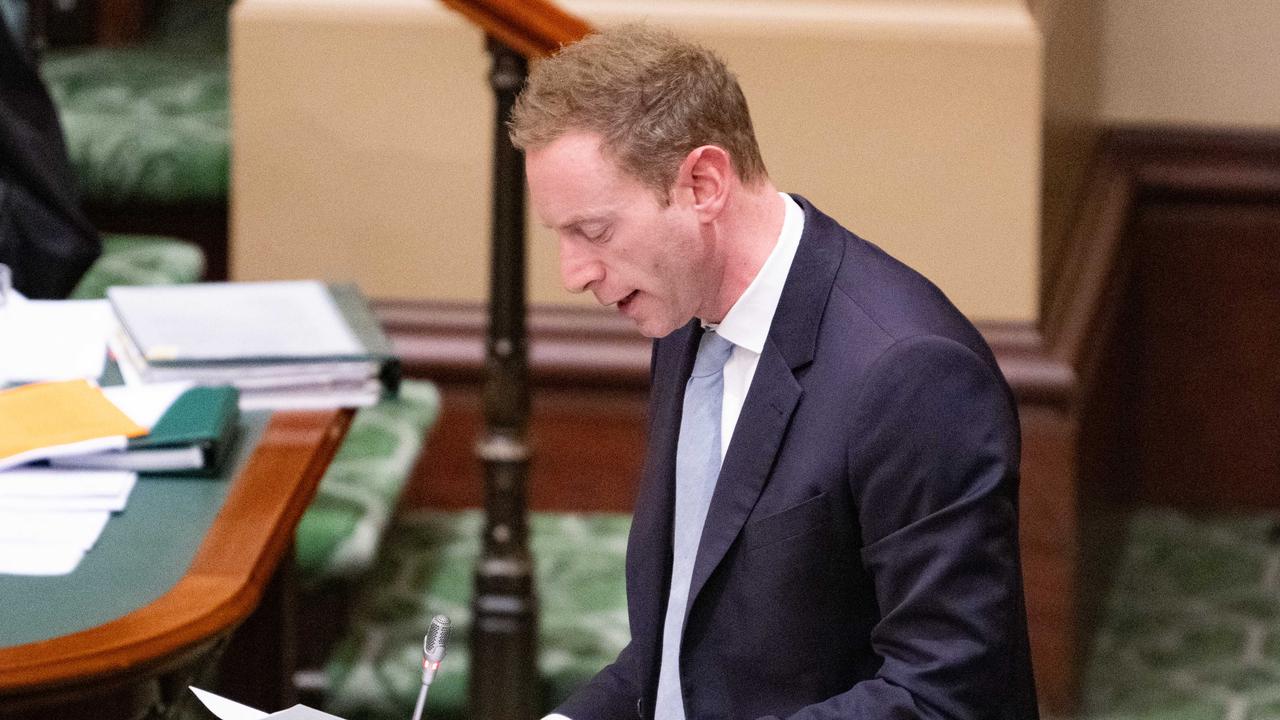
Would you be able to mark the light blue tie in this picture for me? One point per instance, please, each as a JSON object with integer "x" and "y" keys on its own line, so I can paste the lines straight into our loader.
{"x": 697, "y": 466}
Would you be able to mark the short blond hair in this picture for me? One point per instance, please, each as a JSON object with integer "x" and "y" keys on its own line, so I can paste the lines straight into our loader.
{"x": 651, "y": 96}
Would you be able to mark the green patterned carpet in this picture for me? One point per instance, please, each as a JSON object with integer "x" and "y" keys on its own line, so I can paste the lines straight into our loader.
{"x": 1190, "y": 627}
{"x": 426, "y": 568}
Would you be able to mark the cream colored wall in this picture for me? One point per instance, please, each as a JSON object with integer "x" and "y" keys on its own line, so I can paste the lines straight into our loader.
{"x": 1072, "y": 31}
{"x": 1188, "y": 62}
{"x": 362, "y": 134}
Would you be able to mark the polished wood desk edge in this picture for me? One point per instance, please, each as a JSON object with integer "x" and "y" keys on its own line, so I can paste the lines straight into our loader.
{"x": 220, "y": 589}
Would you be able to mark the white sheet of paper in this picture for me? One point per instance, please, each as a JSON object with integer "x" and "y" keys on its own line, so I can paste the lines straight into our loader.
{"x": 54, "y": 339}
{"x": 229, "y": 320}
{"x": 231, "y": 710}
{"x": 81, "y": 528}
{"x": 62, "y": 504}
{"x": 84, "y": 447}
{"x": 302, "y": 712}
{"x": 144, "y": 404}
{"x": 42, "y": 559}
{"x": 55, "y": 483}
{"x": 227, "y": 709}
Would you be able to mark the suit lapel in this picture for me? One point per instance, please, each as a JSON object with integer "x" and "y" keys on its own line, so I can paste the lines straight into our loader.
{"x": 775, "y": 392}
{"x": 756, "y": 439}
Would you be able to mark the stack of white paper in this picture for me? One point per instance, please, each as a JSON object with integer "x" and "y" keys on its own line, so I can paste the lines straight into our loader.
{"x": 53, "y": 339}
{"x": 284, "y": 345}
{"x": 50, "y": 518}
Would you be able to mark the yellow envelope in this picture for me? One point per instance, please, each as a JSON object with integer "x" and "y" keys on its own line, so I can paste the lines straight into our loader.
{"x": 50, "y": 414}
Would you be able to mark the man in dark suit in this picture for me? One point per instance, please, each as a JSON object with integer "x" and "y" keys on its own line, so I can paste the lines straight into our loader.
{"x": 45, "y": 237}
{"x": 827, "y": 522}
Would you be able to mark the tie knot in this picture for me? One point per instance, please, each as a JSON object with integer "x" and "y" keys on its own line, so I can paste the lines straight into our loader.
{"x": 712, "y": 354}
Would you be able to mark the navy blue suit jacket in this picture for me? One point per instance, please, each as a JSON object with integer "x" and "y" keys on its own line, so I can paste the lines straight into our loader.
{"x": 860, "y": 555}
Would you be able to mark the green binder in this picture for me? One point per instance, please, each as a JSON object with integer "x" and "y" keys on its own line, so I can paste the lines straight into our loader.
{"x": 194, "y": 436}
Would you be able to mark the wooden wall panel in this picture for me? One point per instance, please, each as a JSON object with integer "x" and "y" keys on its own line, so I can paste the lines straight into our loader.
{"x": 1048, "y": 518}
{"x": 1207, "y": 422}
{"x": 587, "y": 451}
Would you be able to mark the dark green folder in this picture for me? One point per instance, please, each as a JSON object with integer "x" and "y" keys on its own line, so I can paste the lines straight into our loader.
{"x": 202, "y": 417}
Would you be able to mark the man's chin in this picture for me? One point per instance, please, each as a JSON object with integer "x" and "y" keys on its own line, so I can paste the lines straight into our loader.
{"x": 656, "y": 328}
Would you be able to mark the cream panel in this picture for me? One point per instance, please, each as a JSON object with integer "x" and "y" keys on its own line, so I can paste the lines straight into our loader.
{"x": 363, "y": 134}
{"x": 1072, "y": 32}
{"x": 1187, "y": 62}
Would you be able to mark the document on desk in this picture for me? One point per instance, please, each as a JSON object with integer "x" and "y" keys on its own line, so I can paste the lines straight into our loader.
{"x": 65, "y": 490}
{"x": 47, "y": 542}
{"x": 80, "y": 528}
{"x": 50, "y": 518}
{"x": 53, "y": 339}
{"x": 39, "y": 559}
{"x": 71, "y": 417}
{"x": 230, "y": 710}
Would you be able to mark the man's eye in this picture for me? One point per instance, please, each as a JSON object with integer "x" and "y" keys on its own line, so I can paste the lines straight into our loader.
{"x": 596, "y": 236}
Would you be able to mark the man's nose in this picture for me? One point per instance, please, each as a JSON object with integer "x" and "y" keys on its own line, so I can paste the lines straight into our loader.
{"x": 578, "y": 268}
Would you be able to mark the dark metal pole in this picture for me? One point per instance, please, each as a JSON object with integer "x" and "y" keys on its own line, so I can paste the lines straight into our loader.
{"x": 504, "y": 679}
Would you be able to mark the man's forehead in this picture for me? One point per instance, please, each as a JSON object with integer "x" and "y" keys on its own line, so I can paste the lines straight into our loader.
{"x": 572, "y": 183}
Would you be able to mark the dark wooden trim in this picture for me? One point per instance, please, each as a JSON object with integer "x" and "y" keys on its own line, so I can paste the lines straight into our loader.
{"x": 576, "y": 347}
{"x": 227, "y": 577}
{"x": 1136, "y": 165}
{"x": 568, "y": 346}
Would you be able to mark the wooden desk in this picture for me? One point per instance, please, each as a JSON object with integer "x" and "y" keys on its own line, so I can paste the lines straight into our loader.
{"x": 139, "y": 658}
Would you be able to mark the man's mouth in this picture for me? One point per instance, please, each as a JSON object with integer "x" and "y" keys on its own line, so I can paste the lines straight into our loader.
{"x": 624, "y": 302}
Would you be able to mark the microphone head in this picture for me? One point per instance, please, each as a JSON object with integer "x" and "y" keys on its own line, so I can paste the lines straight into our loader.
{"x": 437, "y": 636}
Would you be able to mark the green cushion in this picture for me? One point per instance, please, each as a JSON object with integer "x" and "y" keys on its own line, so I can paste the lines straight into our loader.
{"x": 145, "y": 124}
{"x": 339, "y": 535}
{"x": 427, "y": 567}
{"x": 140, "y": 260}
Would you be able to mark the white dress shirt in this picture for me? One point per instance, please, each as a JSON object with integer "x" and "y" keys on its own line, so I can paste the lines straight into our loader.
{"x": 746, "y": 325}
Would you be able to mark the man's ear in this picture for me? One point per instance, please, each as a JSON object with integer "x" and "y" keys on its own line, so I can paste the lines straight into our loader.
{"x": 705, "y": 177}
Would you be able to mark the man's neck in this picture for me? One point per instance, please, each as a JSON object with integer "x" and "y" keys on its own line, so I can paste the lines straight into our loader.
{"x": 747, "y": 232}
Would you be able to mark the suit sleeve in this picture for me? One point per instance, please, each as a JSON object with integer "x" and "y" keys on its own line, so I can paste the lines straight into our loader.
{"x": 610, "y": 695}
{"x": 614, "y": 692}
{"x": 933, "y": 460}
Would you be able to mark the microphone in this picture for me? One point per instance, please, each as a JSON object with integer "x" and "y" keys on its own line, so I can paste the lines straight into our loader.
{"x": 432, "y": 653}
{"x": 433, "y": 647}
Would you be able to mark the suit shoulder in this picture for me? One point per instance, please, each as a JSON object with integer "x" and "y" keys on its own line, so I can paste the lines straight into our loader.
{"x": 900, "y": 301}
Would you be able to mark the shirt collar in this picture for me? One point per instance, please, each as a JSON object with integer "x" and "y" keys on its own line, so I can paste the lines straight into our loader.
{"x": 747, "y": 322}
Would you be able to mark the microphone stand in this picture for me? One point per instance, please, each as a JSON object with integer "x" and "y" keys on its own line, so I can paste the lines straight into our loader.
{"x": 422, "y": 702}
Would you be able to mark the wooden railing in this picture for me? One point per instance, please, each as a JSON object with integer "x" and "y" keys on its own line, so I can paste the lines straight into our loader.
{"x": 533, "y": 28}
{"x": 504, "y": 653}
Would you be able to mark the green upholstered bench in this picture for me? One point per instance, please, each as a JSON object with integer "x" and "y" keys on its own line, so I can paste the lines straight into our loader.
{"x": 144, "y": 124}
{"x": 426, "y": 567}
{"x": 140, "y": 260}
{"x": 339, "y": 536}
